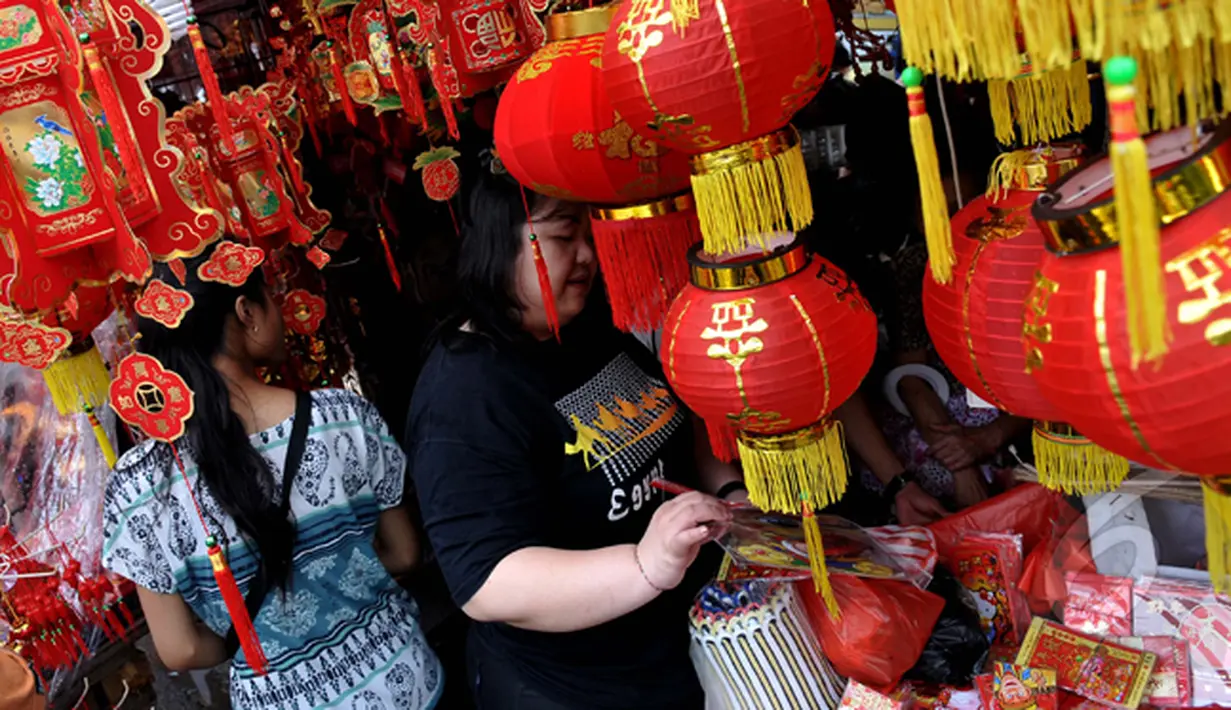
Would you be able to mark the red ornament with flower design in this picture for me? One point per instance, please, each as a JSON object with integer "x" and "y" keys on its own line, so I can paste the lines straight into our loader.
{"x": 231, "y": 264}
{"x": 441, "y": 176}
{"x": 720, "y": 80}
{"x": 164, "y": 304}
{"x": 303, "y": 311}
{"x": 33, "y": 345}
{"x": 152, "y": 398}
{"x": 59, "y": 215}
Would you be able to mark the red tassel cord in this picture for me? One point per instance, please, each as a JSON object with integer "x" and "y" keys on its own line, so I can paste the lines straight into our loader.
{"x": 540, "y": 267}
{"x": 644, "y": 263}
{"x": 339, "y": 81}
{"x": 722, "y": 441}
{"x": 113, "y": 110}
{"x": 446, "y": 101}
{"x": 231, "y": 596}
{"x": 389, "y": 261}
{"x": 412, "y": 100}
{"x": 387, "y": 215}
{"x": 292, "y": 167}
{"x": 212, "y": 91}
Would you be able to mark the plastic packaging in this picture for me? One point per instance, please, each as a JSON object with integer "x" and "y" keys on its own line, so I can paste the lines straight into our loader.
{"x": 884, "y": 627}
{"x": 957, "y": 649}
{"x": 1027, "y": 510}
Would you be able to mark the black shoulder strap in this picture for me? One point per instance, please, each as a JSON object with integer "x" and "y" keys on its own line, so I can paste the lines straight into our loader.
{"x": 259, "y": 587}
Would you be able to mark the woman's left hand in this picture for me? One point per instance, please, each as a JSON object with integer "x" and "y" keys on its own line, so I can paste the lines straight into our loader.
{"x": 958, "y": 447}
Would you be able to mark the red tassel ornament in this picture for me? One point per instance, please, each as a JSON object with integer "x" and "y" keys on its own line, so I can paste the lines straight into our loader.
{"x": 212, "y": 91}
{"x": 446, "y": 101}
{"x": 412, "y": 99}
{"x": 335, "y": 66}
{"x": 722, "y": 441}
{"x": 642, "y": 250}
{"x": 234, "y": 599}
{"x": 389, "y": 261}
{"x": 549, "y": 296}
{"x": 113, "y": 113}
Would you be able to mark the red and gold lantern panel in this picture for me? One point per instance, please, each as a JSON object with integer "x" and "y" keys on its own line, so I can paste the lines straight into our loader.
{"x": 1170, "y": 414}
{"x": 557, "y": 134}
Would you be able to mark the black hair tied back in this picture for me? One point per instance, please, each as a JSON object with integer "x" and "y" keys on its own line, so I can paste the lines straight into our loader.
{"x": 235, "y": 473}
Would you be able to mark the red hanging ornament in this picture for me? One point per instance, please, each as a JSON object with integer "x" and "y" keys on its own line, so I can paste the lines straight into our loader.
{"x": 303, "y": 311}
{"x": 158, "y": 401}
{"x": 163, "y": 304}
{"x": 441, "y": 176}
{"x": 720, "y": 80}
{"x": 213, "y": 91}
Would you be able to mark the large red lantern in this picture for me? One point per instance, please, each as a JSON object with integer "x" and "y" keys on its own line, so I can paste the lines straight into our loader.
{"x": 766, "y": 348}
{"x": 557, "y": 134}
{"x": 1169, "y": 413}
{"x": 720, "y": 80}
{"x": 975, "y": 321}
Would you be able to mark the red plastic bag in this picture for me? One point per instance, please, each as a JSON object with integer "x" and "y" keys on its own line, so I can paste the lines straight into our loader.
{"x": 883, "y": 629}
{"x": 1027, "y": 510}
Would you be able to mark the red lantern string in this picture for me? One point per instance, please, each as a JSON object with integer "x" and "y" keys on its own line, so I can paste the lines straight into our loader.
{"x": 446, "y": 101}
{"x": 231, "y": 596}
{"x": 339, "y": 81}
{"x": 296, "y": 176}
{"x": 540, "y": 267}
{"x": 412, "y": 100}
{"x": 210, "y": 80}
{"x": 389, "y": 260}
{"x": 457, "y": 228}
{"x": 113, "y": 110}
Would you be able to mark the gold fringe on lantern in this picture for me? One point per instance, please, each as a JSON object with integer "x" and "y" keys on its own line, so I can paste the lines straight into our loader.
{"x": 816, "y": 560}
{"x": 960, "y": 39}
{"x": 1136, "y": 218}
{"x": 1069, "y": 462}
{"x": 78, "y": 379}
{"x": 935, "y": 204}
{"x": 1218, "y": 532}
{"x": 748, "y": 191}
{"x": 1042, "y": 106}
{"x": 783, "y": 469}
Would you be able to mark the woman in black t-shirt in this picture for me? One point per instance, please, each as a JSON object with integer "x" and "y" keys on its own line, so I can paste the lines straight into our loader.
{"x": 533, "y": 460}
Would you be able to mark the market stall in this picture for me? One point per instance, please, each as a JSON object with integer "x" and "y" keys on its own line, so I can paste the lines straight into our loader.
{"x": 324, "y": 146}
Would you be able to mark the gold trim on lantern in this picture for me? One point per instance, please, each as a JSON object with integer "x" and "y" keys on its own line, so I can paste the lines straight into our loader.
{"x": 1178, "y": 193}
{"x": 1035, "y": 177}
{"x": 682, "y": 202}
{"x": 737, "y": 275}
{"x": 580, "y": 23}
{"x": 1067, "y": 461}
{"x": 754, "y": 151}
{"x": 1059, "y": 432}
{"x": 786, "y": 442}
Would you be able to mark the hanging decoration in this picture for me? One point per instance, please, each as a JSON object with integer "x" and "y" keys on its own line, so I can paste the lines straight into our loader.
{"x": 1169, "y": 413}
{"x": 303, "y": 311}
{"x": 159, "y": 403}
{"x": 975, "y": 321}
{"x": 764, "y": 349}
{"x": 375, "y": 70}
{"x": 441, "y": 176}
{"x": 288, "y": 128}
{"x": 164, "y": 304}
{"x": 231, "y": 264}
{"x": 557, "y": 134}
{"x": 720, "y": 83}
{"x": 934, "y": 204}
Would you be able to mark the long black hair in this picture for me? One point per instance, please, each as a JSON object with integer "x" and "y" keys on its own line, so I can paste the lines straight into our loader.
{"x": 236, "y": 475}
{"x": 487, "y": 259}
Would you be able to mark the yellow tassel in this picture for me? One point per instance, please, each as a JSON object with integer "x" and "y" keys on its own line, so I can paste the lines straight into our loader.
{"x": 1006, "y": 169}
{"x": 682, "y": 13}
{"x": 816, "y": 560}
{"x": 1069, "y": 462}
{"x": 1044, "y": 106}
{"x": 1047, "y": 32}
{"x": 78, "y": 380}
{"x": 783, "y": 469}
{"x": 1002, "y": 111}
{"x": 1090, "y": 23}
{"x": 1136, "y": 218}
{"x": 1218, "y": 532}
{"x": 104, "y": 441}
{"x": 932, "y": 192}
{"x": 749, "y": 191}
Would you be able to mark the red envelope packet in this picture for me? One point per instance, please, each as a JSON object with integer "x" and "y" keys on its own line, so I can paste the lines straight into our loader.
{"x": 1193, "y": 613}
{"x": 990, "y": 565}
{"x": 1171, "y": 683}
{"x": 860, "y": 697}
{"x": 1099, "y": 605}
{"x": 1021, "y": 688}
{"x": 1105, "y": 672}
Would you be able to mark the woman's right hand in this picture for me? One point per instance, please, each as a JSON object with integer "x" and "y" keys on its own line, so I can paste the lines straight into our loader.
{"x": 675, "y": 535}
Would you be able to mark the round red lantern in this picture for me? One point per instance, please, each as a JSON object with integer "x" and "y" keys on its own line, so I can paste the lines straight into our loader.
{"x": 558, "y": 135}
{"x": 767, "y": 348}
{"x": 975, "y": 321}
{"x": 1169, "y": 413}
{"x": 720, "y": 81}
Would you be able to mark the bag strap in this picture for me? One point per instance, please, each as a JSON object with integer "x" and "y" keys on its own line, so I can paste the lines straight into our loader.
{"x": 258, "y": 589}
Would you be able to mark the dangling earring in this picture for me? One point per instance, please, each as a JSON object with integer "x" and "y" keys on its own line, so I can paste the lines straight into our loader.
{"x": 255, "y": 328}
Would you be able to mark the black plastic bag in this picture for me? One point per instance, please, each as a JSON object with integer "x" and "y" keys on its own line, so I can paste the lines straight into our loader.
{"x": 957, "y": 649}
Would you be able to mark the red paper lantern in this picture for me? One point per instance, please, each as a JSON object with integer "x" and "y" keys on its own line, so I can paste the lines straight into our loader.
{"x": 1169, "y": 413}
{"x": 720, "y": 80}
{"x": 975, "y": 321}
{"x": 557, "y": 134}
{"x": 766, "y": 349}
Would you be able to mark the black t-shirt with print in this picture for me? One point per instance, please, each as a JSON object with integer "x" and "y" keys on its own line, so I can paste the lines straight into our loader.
{"x": 555, "y": 445}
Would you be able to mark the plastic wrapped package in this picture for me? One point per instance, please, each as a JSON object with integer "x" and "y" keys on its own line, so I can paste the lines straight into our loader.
{"x": 884, "y": 627}
{"x": 1099, "y": 605}
{"x": 1191, "y": 612}
{"x": 990, "y": 565}
{"x": 957, "y": 649}
{"x": 1028, "y": 510}
{"x": 757, "y": 630}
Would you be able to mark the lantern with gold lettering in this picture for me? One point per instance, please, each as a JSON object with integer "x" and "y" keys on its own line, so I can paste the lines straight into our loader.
{"x": 764, "y": 349}
{"x": 371, "y": 75}
{"x": 59, "y": 213}
{"x": 975, "y": 321}
{"x": 1169, "y": 413}
{"x": 557, "y": 134}
{"x": 720, "y": 80}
